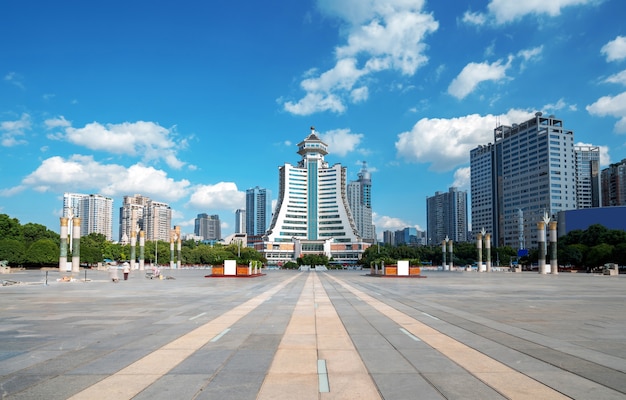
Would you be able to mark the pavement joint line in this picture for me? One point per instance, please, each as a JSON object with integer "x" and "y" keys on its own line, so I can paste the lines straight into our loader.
{"x": 431, "y": 316}
{"x": 316, "y": 333}
{"x": 196, "y": 316}
{"x": 502, "y": 378}
{"x": 322, "y": 374}
{"x": 131, "y": 380}
{"x": 219, "y": 336}
{"x": 409, "y": 334}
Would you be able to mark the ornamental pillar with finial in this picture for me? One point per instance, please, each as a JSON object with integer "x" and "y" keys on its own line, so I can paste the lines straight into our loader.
{"x": 76, "y": 245}
{"x": 63, "y": 254}
{"x": 541, "y": 244}
{"x": 479, "y": 247}
{"x": 488, "y": 251}
{"x": 554, "y": 264}
{"x": 142, "y": 250}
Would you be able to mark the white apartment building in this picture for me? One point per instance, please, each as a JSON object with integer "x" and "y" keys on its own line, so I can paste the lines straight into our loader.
{"x": 95, "y": 212}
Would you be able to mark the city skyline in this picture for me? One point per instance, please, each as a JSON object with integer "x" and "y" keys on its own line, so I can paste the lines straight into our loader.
{"x": 193, "y": 106}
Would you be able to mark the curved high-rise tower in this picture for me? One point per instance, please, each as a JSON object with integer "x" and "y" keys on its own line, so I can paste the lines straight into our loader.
{"x": 312, "y": 213}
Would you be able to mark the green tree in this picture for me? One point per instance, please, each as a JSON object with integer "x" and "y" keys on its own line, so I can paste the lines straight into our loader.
{"x": 12, "y": 250}
{"x": 33, "y": 232}
{"x": 43, "y": 252}
{"x": 619, "y": 253}
{"x": 599, "y": 255}
{"x": 10, "y": 228}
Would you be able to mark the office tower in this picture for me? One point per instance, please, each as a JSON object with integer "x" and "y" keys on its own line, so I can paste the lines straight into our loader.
{"x": 258, "y": 210}
{"x": 240, "y": 221}
{"x": 141, "y": 212}
{"x": 446, "y": 216}
{"x": 208, "y": 227}
{"x": 588, "y": 193}
{"x": 95, "y": 213}
{"x": 360, "y": 201}
{"x": 614, "y": 185}
{"x": 389, "y": 238}
{"x": 406, "y": 236}
{"x": 533, "y": 171}
{"x": 312, "y": 214}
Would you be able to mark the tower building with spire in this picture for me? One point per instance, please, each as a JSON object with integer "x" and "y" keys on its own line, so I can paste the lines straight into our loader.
{"x": 312, "y": 214}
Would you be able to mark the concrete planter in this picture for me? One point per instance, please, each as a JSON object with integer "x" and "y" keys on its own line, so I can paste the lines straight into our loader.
{"x": 414, "y": 270}
{"x": 243, "y": 270}
{"x": 218, "y": 270}
{"x": 391, "y": 270}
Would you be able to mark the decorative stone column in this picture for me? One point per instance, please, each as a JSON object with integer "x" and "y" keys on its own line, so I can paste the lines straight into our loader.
{"x": 179, "y": 244}
{"x": 479, "y": 247}
{"x": 142, "y": 249}
{"x": 541, "y": 244}
{"x": 133, "y": 249}
{"x": 75, "y": 245}
{"x": 63, "y": 254}
{"x": 443, "y": 251}
{"x": 172, "y": 235}
{"x": 488, "y": 251}
{"x": 554, "y": 264}
{"x": 451, "y": 251}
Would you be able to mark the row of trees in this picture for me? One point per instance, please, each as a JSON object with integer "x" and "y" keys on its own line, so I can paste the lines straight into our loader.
{"x": 35, "y": 245}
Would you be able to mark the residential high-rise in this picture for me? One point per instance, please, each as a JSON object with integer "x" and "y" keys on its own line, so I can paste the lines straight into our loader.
{"x": 533, "y": 170}
{"x": 95, "y": 213}
{"x": 588, "y": 193}
{"x": 240, "y": 221}
{"x": 312, "y": 214}
{"x": 614, "y": 184}
{"x": 258, "y": 210}
{"x": 141, "y": 212}
{"x": 446, "y": 216}
{"x": 360, "y": 201}
{"x": 208, "y": 227}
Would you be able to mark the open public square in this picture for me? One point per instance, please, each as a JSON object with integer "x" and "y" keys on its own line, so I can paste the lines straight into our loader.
{"x": 313, "y": 335}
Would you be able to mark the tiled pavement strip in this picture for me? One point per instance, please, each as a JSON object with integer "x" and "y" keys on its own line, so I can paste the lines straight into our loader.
{"x": 383, "y": 343}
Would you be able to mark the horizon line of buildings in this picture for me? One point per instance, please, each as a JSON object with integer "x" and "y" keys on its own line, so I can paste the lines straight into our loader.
{"x": 531, "y": 169}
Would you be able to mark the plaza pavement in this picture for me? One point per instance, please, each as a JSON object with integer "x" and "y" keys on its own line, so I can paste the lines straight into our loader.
{"x": 313, "y": 335}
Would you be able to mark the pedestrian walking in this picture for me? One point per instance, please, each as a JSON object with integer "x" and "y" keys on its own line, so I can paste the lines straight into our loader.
{"x": 113, "y": 273}
{"x": 126, "y": 270}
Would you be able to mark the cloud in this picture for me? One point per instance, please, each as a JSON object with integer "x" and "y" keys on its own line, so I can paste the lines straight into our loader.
{"x": 381, "y": 35}
{"x": 83, "y": 173}
{"x": 475, "y": 73}
{"x": 559, "y": 105}
{"x": 147, "y": 140}
{"x": 619, "y": 78}
{"x": 221, "y": 196}
{"x": 615, "y": 50}
{"x": 614, "y": 106}
{"x": 14, "y": 79}
{"x": 605, "y": 158}
{"x": 341, "y": 141}
{"x": 462, "y": 178}
{"x": 12, "y": 132}
{"x": 446, "y": 143}
{"x": 504, "y": 11}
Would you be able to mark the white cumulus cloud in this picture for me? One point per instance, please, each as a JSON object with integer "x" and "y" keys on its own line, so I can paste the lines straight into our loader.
{"x": 614, "y": 106}
{"x": 505, "y": 11}
{"x": 221, "y": 196}
{"x": 83, "y": 173}
{"x": 12, "y": 132}
{"x": 341, "y": 141}
{"x": 615, "y": 50}
{"x": 380, "y": 35}
{"x": 143, "y": 139}
{"x": 475, "y": 73}
{"x": 445, "y": 143}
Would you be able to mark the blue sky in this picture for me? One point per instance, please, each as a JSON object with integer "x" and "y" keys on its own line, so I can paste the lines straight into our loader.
{"x": 192, "y": 103}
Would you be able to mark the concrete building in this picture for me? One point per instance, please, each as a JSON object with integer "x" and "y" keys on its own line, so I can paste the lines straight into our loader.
{"x": 95, "y": 212}
{"x": 446, "y": 216}
{"x": 152, "y": 217}
{"x": 406, "y": 236}
{"x": 614, "y": 185}
{"x": 258, "y": 210}
{"x": 208, "y": 227}
{"x": 312, "y": 214}
{"x": 588, "y": 192}
{"x": 533, "y": 170}
{"x": 240, "y": 221}
{"x": 360, "y": 201}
